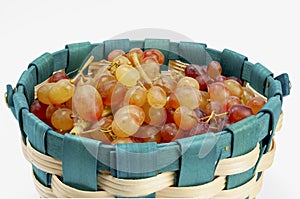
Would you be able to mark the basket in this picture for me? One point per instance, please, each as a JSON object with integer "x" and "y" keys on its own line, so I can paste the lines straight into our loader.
{"x": 233, "y": 167}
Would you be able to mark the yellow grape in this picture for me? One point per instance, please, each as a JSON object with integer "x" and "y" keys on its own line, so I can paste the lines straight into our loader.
{"x": 61, "y": 91}
{"x": 188, "y": 81}
{"x": 127, "y": 75}
{"x": 42, "y": 93}
{"x": 136, "y": 95}
{"x": 157, "y": 97}
{"x": 127, "y": 120}
{"x": 62, "y": 119}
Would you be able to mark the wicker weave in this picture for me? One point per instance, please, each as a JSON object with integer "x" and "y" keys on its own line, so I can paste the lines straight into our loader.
{"x": 240, "y": 157}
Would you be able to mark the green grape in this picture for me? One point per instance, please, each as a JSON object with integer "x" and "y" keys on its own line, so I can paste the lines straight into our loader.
{"x": 42, "y": 93}
{"x": 136, "y": 95}
{"x": 157, "y": 97}
{"x": 127, "y": 75}
{"x": 188, "y": 81}
{"x": 185, "y": 118}
{"x": 61, "y": 91}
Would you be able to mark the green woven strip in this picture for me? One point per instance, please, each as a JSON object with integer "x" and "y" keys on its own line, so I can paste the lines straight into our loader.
{"x": 44, "y": 67}
{"x": 195, "y": 53}
{"x": 136, "y": 161}
{"x": 198, "y": 160}
{"x": 245, "y": 138}
{"x": 285, "y": 83}
{"x": 54, "y": 146}
{"x": 273, "y": 88}
{"x": 77, "y": 54}
{"x": 43, "y": 177}
{"x": 259, "y": 75}
{"x": 137, "y": 44}
{"x": 60, "y": 59}
{"x": 247, "y": 70}
{"x": 79, "y": 162}
{"x": 98, "y": 51}
{"x": 214, "y": 54}
{"x": 27, "y": 81}
{"x": 110, "y": 45}
{"x": 173, "y": 52}
{"x": 20, "y": 105}
{"x": 232, "y": 63}
{"x": 273, "y": 108}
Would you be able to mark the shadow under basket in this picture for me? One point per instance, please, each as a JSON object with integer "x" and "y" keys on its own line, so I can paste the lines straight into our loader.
{"x": 227, "y": 164}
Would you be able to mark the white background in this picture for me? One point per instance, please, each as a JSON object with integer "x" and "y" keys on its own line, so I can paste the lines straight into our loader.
{"x": 264, "y": 31}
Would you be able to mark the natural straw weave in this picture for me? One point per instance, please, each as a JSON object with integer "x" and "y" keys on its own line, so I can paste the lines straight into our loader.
{"x": 161, "y": 184}
{"x": 237, "y": 164}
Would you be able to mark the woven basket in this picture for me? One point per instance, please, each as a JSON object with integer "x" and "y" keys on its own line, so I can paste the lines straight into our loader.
{"x": 63, "y": 165}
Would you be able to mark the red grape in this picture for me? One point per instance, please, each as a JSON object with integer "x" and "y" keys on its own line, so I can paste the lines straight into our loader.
{"x": 238, "y": 112}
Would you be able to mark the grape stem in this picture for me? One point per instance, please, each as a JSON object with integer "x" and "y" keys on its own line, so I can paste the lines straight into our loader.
{"x": 80, "y": 72}
{"x": 140, "y": 69}
{"x": 211, "y": 116}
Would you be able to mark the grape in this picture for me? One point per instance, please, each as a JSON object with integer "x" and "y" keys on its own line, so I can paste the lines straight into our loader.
{"x": 214, "y": 69}
{"x": 217, "y": 107}
{"x": 154, "y": 116}
{"x": 232, "y": 100}
{"x": 185, "y": 118}
{"x": 118, "y": 94}
{"x": 58, "y": 76}
{"x": 166, "y": 83}
{"x": 147, "y": 133}
{"x": 193, "y": 70}
{"x": 256, "y": 103}
{"x": 151, "y": 70}
{"x": 38, "y": 109}
{"x": 106, "y": 89}
{"x": 115, "y": 53}
{"x": 149, "y": 60}
{"x": 88, "y": 103}
{"x": 127, "y": 75}
{"x": 203, "y": 99}
{"x": 188, "y": 81}
{"x": 158, "y": 55}
{"x": 157, "y": 97}
{"x": 200, "y": 113}
{"x": 234, "y": 87}
{"x": 50, "y": 110}
{"x": 236, "y": 79}
{"x": 105, "y": 77}
{"x": 218, "y": 92}
{"x": 199, "y": 128}
{"x": 170, "y": 115}
{"x": 136, "y": 95}
{"x": 238, "y": 112}
{"x": 247, "y": 95}
{"x": 139, "y": 53}
{"x": 185, "y": 96}
{"x": 128, "y": 120}
{"x": 121, "y": 60}
{"x": 62, "y": 119}
{"x": 61, "y": 91}
{"x": 203, "y": 81}
{"x": 168, "y": 132}
{"x": 220, "y": 78}
{"x": 217, "y": 124}
{"x": 42, "y": 93}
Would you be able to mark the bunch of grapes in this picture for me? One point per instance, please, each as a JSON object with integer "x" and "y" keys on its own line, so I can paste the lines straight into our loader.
{"x": 127, "y": 98}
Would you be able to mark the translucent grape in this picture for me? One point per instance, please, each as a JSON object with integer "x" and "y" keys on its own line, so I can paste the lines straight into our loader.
{"x": 127, "y": 75}
{"x": 58, "y": 76}
{"x": 42, "y": 93}
{"x": 139, "y": 53}
{"x": 136, "y": 95}
{"x": 234, "y": 87}
{"x": 218, "y": 92}
{"x": 157, "y": 97}
{"x": 256, "y": 103}
{"x": 185, "y": 96}
{"x": 156, "y": 54}
{"x": 214, "y": 69}
{"x": 238, "y": 112}
{"x": 118, "y": 94}
{"x": 232, "y": 100}
{"x": 122, "y": 60}
{"x": 203, "y": 99}
{"x": 247, "y": 95}
{"x": 154, "y": 116}
{"x": 38, "y": 109}
{"x": 151, "y": 70}
{"x": 115, "y": 53}
{"x": 166, "y": 83}
{"x": 185, "y": 118}
{"x": 193, "y": 70}
{"x": 88, "y": 103}
{"x": 127, "y": 120}
{"x": 106, "y": 90}
{"x": 188, "y": 81}
{"x": 62, "y": 119}
{"x": 147, "y": 133}
{"x": 199, "y": 128}
{"x": 168, "y": 132}
{"x": 61, "y": 91}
